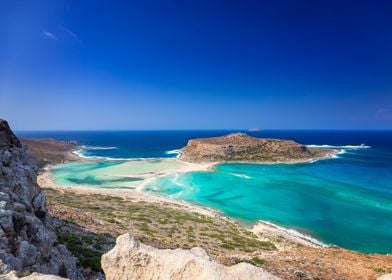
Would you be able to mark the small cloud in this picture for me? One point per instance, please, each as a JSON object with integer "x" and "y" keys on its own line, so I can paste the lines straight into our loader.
{"x": 383, "y": 114}
{"x": 72, "y": 35}
{"x": 49, "y": 35}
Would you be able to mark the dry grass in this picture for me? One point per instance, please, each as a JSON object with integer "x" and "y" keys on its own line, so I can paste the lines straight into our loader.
{"x": 159, "y": 224}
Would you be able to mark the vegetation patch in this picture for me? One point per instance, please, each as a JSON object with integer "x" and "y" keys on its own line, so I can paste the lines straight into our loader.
{"x": 86, "y": 248}
{"x": 161, "y": 225}
{"x": 257, "y": 261}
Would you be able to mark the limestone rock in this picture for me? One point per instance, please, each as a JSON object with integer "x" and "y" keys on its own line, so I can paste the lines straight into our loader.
{"x": 385, "y": 277}
{"x": 34, "y": 276}
{"x": 27, "y": 244}
{"x": 130, "y": 259}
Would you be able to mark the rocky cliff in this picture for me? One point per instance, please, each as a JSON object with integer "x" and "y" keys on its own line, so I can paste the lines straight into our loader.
{"x": 27, "y": 244}
{"x": 130, "y": 259}
{"x": 242, "y": 147}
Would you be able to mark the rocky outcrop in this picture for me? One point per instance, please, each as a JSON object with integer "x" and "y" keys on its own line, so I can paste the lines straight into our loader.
{"x": 130, "y": 259}
{"x": 34, "y": 276}
{"x": 242, "y": 147}
{"x": 27, "y": 244}
{"x": 7, "y": 138}
{"x": 51, "y": 151}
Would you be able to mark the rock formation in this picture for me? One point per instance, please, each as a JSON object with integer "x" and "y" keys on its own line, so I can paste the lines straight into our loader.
{"x": 51, "y": 151}
{"x": 34, "y": 276}
{"x": 130, "y": 259}
{"x": 27, "y": 244}
{"x": 242, "y": 147}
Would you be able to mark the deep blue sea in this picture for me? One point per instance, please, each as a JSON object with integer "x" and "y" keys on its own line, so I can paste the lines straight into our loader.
{"x": 346, "y": 201}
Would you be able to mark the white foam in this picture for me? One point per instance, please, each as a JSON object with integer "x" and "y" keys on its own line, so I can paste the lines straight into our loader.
{"x": 80, "y": 153}
{"x": 341, "y": 151}
{"x": 241, "y": 175}
{"x": 298, "y": 234}
{"x": 354, "y": 147}
{"x": 174, "y": 152}
{"x": 98, "y": 148}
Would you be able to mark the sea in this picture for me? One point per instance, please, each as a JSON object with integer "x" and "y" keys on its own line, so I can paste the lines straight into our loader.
{"x": 344, "y": 201}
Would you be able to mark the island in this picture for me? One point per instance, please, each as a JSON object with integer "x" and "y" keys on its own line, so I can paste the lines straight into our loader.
{"x": 241, "y": 147}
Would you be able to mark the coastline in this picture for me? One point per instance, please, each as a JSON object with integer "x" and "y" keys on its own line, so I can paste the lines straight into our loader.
{"x": 294, "y": 251}
{"x": 260, "y": 228}
{"x": 263, "y": 229}
{"x": 333, "y": 154}
{"x": 45, "y": 178}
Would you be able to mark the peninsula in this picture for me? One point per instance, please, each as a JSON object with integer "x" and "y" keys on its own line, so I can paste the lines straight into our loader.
{"x": 242, "y": 147}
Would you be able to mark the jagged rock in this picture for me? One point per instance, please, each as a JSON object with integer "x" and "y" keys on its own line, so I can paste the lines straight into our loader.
{"x": 34, "y": 276}
{"x": 130, "y": 259}
{"x": 7, "y": 137}
{"x": 27, "y": 244}
{"x": 242, "y": 147}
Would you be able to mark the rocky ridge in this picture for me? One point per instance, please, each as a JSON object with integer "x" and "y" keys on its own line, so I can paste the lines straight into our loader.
{"x": 242, "y": 147}
{"x": 47, "y": 150}
{"x": 27, "y": 244}
{"x": 130, "y": 259}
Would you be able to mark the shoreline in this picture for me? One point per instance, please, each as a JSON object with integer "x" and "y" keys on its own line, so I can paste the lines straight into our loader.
{"x": 260, "y": 228}
{"x": 90, "y": 211}
{"x": 334, "y": 151}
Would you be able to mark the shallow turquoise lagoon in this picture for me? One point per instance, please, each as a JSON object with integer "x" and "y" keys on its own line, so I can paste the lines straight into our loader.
{"x": 345, "y": 201}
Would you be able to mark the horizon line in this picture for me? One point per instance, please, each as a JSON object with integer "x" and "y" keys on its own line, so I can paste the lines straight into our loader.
{"x": 204, "y": 129}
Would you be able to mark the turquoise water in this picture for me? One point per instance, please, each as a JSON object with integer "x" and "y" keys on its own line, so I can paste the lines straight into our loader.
{"x": 90, "y": 174}
{"x": 111, "y": 174}
{"x": 345, "y": 201}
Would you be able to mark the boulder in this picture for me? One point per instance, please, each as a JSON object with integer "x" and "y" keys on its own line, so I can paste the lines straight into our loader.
{"x": 130, "y": 259}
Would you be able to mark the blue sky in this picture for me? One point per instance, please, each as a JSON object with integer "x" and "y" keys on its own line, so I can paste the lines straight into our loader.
{"x": 196, "y": 64}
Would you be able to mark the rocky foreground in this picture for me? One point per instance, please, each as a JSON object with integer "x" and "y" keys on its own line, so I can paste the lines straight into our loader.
{"x": 27, "y": 244}
{"x": 242, "y": 147}
{"x": 155, "y": 264}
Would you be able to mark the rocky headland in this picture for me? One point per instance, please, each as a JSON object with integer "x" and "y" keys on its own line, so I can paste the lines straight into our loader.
{"x": 27, "y": 243}
{"x": 51, "y": 151}
{"x": 240, "y": 147}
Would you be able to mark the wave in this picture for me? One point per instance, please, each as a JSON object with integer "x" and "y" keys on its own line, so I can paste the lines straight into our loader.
{"x": 340, "y": 152}
{"x": 353, "y": 147}
{"x": 240, "y": 175}
{"x": 342, "y": 149}
{"x": 295, "y": 233}
{"x": 98, "y": 148}
{"x": 80, "y": 153}
{"x": 174, "y": 152}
